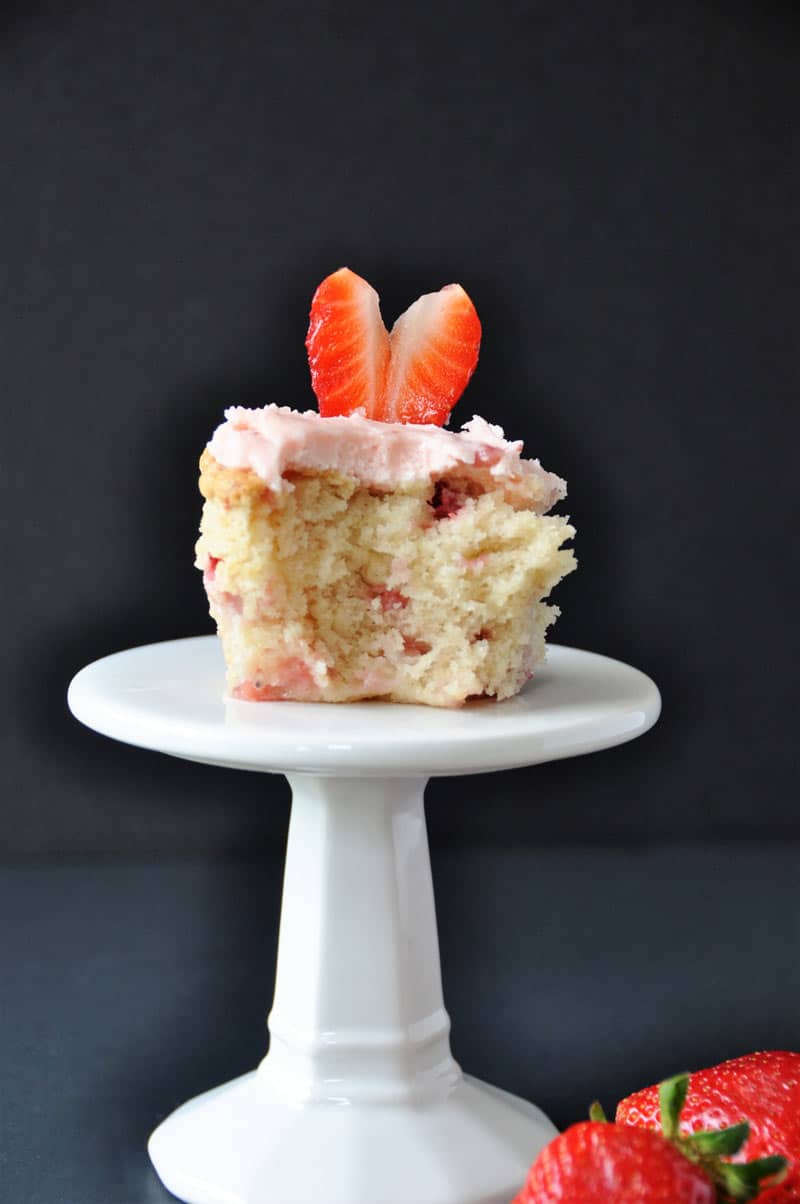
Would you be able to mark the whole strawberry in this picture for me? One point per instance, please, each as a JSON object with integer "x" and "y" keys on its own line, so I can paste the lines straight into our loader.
{"x": 763, "y": 1088}
{"x": 597, "y": 1163}
{"x": 600, "y": 1163}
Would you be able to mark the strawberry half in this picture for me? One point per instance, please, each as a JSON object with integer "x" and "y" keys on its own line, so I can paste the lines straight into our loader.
{"x": 415, "y": 376}
{"x": 435, "y": 346}
{"x": 347, "y": 344}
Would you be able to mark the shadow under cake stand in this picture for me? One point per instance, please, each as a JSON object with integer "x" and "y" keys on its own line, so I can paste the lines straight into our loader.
{"x": 358, "y": 1100}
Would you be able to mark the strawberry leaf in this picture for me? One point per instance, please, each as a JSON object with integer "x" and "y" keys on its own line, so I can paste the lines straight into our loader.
{"x": 672, "y": 1097}
{"x": 721, "y": 1142}
{"x": 744, "y": 1181}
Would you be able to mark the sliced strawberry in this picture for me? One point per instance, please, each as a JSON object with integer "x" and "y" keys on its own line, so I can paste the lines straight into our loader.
{"x": 348, "y": 346}
{"x": 434, "y": 350}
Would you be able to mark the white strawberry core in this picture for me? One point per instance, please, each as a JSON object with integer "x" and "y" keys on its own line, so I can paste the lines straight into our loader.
{"x": 375, "y": 345}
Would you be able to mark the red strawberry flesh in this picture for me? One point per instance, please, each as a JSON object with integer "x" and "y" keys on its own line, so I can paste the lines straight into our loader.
{"x": 348, "y": 346}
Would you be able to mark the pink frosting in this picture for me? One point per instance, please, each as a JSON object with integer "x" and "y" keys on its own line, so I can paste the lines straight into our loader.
{"x": 275, "y": 440}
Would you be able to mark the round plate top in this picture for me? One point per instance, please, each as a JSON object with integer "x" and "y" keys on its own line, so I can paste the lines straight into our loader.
{"x": 169, "y": 697}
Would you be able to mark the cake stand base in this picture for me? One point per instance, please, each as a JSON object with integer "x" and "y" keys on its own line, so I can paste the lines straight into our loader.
{"x": 239, "y": 1144}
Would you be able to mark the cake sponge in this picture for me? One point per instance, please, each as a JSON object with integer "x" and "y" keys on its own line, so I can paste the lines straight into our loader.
{"x": 330, "y": 588}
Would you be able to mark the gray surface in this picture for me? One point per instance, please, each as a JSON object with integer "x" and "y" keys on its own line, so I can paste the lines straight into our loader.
{"x": 615, "y": 184}
{"x": 129, "y": 986}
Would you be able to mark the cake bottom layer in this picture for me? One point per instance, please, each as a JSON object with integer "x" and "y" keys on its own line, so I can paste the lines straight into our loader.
{"x": 333, "y": 592}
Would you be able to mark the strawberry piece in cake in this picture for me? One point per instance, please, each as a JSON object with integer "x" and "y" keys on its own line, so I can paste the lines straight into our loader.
{"x": 348, "y": 557}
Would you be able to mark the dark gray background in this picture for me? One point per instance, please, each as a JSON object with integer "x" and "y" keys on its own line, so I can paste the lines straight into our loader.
{"x": 617, "y": 187}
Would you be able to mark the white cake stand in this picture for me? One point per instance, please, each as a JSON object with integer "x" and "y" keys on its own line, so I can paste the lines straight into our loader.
{"x": 359, "y": 1100}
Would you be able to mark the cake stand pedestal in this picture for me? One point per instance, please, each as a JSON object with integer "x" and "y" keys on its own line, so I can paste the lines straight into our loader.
{"x": 358, "y": 1100}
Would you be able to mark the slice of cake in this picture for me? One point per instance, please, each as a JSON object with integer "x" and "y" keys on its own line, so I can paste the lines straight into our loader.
{"x": 348, "y": 557}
